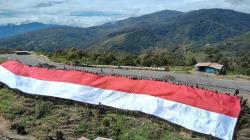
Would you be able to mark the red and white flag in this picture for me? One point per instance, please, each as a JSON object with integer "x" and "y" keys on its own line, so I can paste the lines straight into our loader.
{"x": 199, "y": 110}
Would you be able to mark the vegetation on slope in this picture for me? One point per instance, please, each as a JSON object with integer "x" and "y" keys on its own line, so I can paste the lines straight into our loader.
{"x": 237, "y": 51}
{"x": 51, "y": 39}
{"x": 6, "y": 51}
{"x": 44, "y": 117}
{"x": 185, "y": 56}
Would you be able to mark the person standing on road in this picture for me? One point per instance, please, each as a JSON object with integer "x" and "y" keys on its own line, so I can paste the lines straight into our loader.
{"x": 236, "y": 93}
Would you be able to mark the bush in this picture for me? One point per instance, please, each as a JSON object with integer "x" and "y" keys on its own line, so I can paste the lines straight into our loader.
{"x": 20, "y": 129}
{"x": 101, "y": 131}
{"x": 42, "y": 108}
{"x": 81, "y": 128}
{"x": 106, "y": 122}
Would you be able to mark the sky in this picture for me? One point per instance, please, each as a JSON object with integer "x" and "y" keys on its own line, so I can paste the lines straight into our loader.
{"x": 86, "y": 13}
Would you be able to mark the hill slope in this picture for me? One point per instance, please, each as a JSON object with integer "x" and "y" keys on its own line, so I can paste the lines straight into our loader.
{"x": 11, "y": 29}
{"x": 236, "y": 44}
{"x": 51, "y": 39}
{"x": 158, "y": 30}
{"x": 199, "y": 27}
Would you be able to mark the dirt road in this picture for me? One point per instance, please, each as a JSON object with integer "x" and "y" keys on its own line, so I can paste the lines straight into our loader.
{"x": 221, "y": 85}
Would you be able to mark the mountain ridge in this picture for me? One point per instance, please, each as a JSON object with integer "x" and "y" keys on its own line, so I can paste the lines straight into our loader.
{"x": 10, "y": 30}
{"x": 157, "y": 30}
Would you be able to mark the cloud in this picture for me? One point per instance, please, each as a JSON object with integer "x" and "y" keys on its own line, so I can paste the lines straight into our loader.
{"x": 7, "y": 14}
{"x": 238, "y": 2}
{"x": 86, "y": 13}
{"x": 95, "y": 14}
{"x": 47, "y": 4}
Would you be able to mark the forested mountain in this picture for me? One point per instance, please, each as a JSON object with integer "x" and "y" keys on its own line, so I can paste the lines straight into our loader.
{"x": 165, "y": 29}
{"x": 196, "y": 28}
{"x": 237, "y": 44}
{"x": 12, "y": 29}
{"x": 51, "y": 39}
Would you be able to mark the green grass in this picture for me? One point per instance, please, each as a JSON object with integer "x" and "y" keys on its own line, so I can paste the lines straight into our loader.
{"x": 181, "y": 69}
{"x": 43, "y": 118}
{"x": 2, "y": 60}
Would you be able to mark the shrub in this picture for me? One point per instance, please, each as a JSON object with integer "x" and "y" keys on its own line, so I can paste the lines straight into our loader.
{"x": 81, "y": 128}
{"x": 101, "y": 131}
{"x": 106, "y": 122}
{"x": 42, "y": 108}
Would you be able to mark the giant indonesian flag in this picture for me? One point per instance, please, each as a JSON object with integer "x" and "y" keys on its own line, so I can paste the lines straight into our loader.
{"x": 199, "y": 110}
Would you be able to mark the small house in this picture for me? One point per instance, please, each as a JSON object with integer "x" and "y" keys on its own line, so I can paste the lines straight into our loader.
{"x": 22, "y": 52}
{"x": 210, "y": 67}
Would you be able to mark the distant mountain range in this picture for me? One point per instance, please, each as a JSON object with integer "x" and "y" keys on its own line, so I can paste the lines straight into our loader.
{"x": 12, "y": 29}
{"x": 158, "y": 30}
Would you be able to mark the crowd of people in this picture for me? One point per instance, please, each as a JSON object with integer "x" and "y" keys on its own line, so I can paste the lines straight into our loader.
{"x": 165, "y": 79}
{"x": 101, "y": 73}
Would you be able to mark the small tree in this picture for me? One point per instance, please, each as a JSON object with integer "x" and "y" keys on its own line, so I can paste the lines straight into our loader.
{"x": 224, "y": 61}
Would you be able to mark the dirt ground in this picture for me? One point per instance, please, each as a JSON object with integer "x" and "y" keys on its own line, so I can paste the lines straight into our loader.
{"x": 6, "y": 133}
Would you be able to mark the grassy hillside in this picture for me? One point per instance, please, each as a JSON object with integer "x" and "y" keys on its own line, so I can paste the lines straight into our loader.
{"x": 133, "y": 42}
{"x": 44, "y": 117}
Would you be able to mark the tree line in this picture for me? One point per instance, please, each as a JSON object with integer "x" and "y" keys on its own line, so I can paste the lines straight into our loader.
{"x": 181, "y": 56}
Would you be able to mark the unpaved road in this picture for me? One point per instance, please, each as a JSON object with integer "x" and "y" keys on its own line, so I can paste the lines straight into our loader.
{"x": 221, "y": 85}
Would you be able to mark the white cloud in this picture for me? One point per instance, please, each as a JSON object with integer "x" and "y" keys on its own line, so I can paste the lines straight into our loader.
{"x": 239, "y": 2}
{"x": 96, "y": 12}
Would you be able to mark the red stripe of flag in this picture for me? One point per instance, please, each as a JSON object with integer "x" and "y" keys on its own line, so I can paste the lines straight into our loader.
{"x": 200, "y": 98}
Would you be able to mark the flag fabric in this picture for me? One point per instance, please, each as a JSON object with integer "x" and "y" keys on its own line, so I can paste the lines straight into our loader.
{"x": 200, "y": 110}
